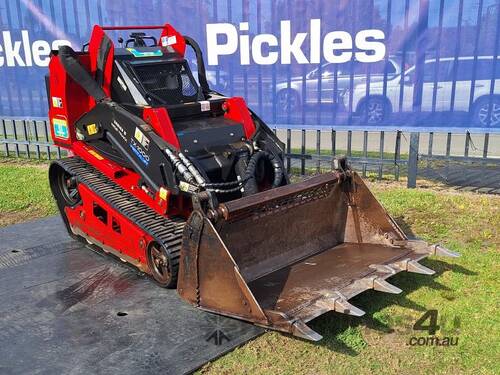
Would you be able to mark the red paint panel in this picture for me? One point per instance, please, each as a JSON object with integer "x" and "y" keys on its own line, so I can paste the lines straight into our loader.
{"x": 174, "y": 38}
{"x": 127, "y": 240}
{"x": 159, "y": 119}
{"x": 237, "y": 110}
{"x": 67, "y": 101}
{"x": 95, "y": 46}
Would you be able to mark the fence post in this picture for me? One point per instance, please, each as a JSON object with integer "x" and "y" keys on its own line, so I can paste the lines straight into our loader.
{"x": 302, "y": 153}
{"x": 288, "y": 149}
{"x": 397, "y": 155}
{"x": 413, "y": 160}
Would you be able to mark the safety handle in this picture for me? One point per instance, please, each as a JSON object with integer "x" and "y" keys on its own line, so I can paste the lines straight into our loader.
{"x": 150, "y": 27}
{"x": 69, "y": 61}
{"x": 202, "y": 75}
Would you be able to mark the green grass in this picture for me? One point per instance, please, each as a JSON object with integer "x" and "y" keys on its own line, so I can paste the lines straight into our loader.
{"x": 25, "y": 192}
{"x": 465, "y": 291}
{"x": 354, "y": 153}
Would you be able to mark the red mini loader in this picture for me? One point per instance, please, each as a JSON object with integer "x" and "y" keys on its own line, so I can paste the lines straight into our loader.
{"x": 189, "y": 186}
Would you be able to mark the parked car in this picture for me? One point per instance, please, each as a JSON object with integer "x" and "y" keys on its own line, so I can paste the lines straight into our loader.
{"x": 288, "y": 96}
{"x": 438, "y": 86}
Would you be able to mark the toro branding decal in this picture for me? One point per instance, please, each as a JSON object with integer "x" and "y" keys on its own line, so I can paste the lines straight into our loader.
{"x": 336, "y": 47}
{"x": 140, "y": 146}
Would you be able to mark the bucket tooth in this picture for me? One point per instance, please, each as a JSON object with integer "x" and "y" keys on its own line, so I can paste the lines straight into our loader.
{"x": 383, "y": 268}
{"x": 301, "y": 329}
{"x": 344, "y": 307}
{"x": 444, "y": 252}
{"x": 415, "y": 267}
{"x": 383, "y": 286}
{"x": 423, "y": 247}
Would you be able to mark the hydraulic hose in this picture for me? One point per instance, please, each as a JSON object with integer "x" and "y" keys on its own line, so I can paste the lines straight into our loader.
{"x": 192, "y": 169}
{"x": 250, "y": 182}
{"x": 189, "y": 172}
{"x": 179, "y": 165}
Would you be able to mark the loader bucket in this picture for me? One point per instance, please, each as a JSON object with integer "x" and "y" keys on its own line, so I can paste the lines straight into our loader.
{"x": 282, "y": 257}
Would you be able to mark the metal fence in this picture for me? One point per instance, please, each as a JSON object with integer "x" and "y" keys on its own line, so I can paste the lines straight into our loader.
{"x": 461, "y": 159}
{"x": 449, "y": 91}
{"x": 28, "y": 138}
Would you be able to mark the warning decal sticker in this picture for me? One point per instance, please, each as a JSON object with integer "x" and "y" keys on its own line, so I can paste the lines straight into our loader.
{"x": 60, "y": 128}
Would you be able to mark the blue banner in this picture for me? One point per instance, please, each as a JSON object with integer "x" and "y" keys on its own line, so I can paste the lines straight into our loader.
{"x": 372, "y": 64}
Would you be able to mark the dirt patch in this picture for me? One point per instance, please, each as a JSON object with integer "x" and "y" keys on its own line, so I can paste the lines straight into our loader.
{"x": 9, "y": 218}
{"x": 25, "y": 163}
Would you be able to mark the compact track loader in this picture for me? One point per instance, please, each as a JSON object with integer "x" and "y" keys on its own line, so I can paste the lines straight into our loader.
{"x": 189, "y": 186}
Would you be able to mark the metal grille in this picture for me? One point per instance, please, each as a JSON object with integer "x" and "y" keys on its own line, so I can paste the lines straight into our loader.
{"x": 169, "y": 82}
{"x": 284, "y": 204}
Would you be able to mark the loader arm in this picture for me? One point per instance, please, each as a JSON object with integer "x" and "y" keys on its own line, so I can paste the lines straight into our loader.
{"x": 133, "y": 139}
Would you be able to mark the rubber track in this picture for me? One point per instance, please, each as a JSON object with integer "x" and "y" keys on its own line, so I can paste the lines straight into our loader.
{"x": 166, "y": 231}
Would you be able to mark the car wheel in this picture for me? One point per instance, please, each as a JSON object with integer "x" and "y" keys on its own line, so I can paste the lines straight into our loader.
{"x": 287, "y": 101}
{"x": 484, "y": 116}
{"x": 374, "y": 111}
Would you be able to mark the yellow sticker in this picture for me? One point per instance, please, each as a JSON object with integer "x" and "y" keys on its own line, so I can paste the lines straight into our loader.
{"x": 56, "y": 102}
{"x": 138, "y": 135}
{"x": 92, "y": 129}
{"x": 163, "y": 194}
{"x": 96, "y": 155}
{"x": 184, "y": 186}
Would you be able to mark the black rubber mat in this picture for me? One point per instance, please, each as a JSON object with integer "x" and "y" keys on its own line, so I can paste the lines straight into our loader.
{"x": 67, "y": 309}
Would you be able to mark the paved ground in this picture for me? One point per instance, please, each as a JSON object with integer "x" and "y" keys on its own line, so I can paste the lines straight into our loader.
{"x": 67, "y": 309}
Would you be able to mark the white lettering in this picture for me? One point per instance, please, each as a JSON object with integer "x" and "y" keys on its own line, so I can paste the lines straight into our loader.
{"x": 12, "y": 50}
{"x": 337, "y": 41}
{"x": 214, "y": 49}
{"x": 291, "y": 47}
{"x": 363, "y": 42}
{"x": 258, "y": 57}
{"x": 41, "y": 51}
{"x": 24, "y": 53}
{"x": 26, "y": 46}
{"x": 245, "y": 45}
{"x": 336, "y": 47}
{"x": 315, "y": 41}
